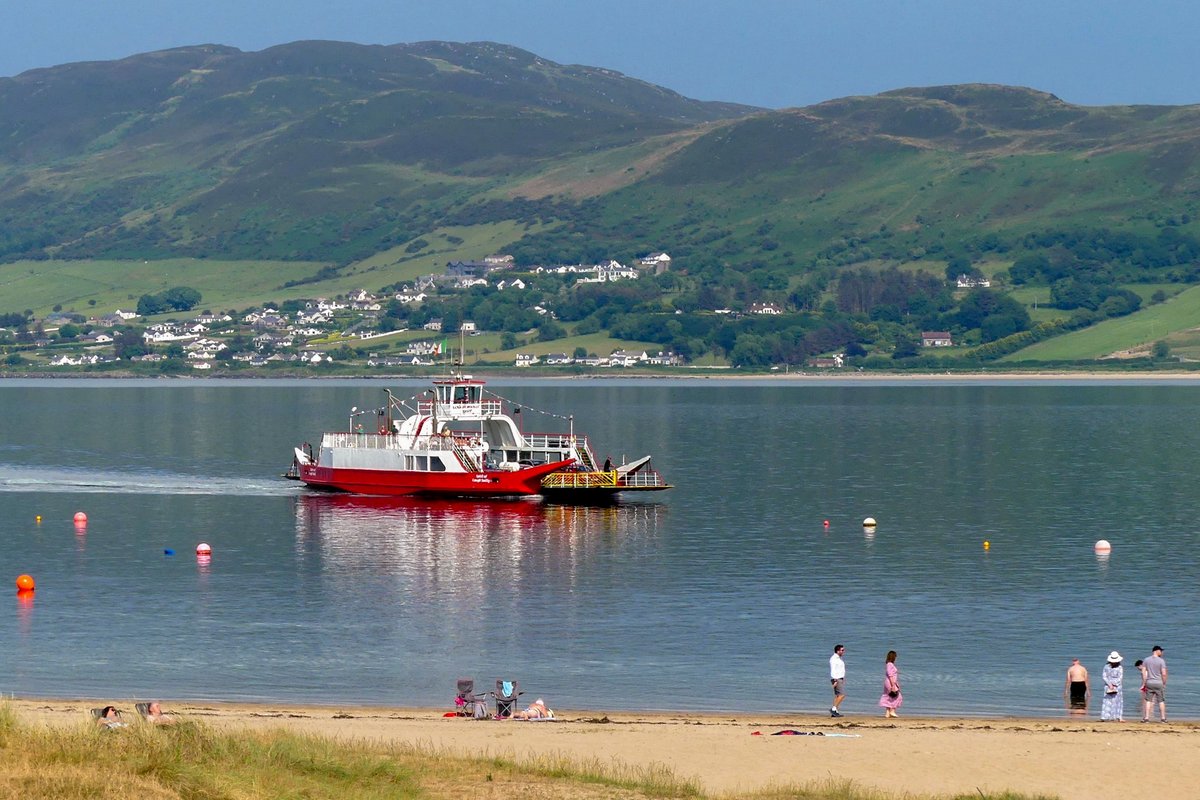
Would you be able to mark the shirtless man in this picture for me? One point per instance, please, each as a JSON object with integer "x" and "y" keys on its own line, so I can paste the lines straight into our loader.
{"x": 1077, "y": 688}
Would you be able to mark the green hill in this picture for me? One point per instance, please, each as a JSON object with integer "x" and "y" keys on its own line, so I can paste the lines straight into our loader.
{"x": 318, "y": 167}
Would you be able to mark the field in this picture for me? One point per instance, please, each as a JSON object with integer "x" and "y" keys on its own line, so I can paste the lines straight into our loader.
{"x": 1177, "y": 317}
{"x": 40, "y": 285}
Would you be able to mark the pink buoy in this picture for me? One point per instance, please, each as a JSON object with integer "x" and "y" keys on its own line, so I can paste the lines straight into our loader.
{"x": 80, "y": 516}
{"x": 203, "y": 549}
{"x": 1103, "y": 546}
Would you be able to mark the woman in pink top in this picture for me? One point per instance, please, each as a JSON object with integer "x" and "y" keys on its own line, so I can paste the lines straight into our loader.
{"x": 891, "y": 699}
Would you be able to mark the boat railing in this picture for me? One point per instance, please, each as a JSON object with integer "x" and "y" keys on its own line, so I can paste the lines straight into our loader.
{"x": 364, "y": 441}
{"x": 580, "y": 480}
{"x": 642, "y": 478}
{"x": 562, "y": 441}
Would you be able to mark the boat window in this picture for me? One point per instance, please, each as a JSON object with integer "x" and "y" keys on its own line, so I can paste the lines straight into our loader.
{"x": 460, "y": 394}
{"x": 422, "y": 463}
{"x": 436, "y": 465}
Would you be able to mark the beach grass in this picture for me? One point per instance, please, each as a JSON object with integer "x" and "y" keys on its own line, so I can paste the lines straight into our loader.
{"x": 196, "y": 761}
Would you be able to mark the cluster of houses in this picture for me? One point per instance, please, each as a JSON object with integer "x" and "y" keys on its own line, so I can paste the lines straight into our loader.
{"x": 618, "y": 358}
{"x": 465, "y": 274}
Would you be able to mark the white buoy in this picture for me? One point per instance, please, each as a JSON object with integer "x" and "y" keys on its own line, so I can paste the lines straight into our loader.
{"x": 869, "y": 522}
{"x": 203, "y": 549}
{"x": 1103, "y": 546}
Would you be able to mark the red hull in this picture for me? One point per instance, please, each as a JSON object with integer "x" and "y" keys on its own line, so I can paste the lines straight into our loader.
{"x": 526, "y": 481}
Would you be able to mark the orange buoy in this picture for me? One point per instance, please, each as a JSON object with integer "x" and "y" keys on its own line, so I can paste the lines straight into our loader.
{"x": 80, "y": 516}
{"x": 203, "y": 549}
{"x": 25, "y": 583}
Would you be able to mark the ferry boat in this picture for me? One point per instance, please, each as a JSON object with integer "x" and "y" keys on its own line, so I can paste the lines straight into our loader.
{"x": 460, "y": 440}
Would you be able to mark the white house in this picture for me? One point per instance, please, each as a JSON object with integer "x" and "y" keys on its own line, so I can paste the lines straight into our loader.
{"x": 626, "y": 358}
{"x": 526, "y": 359}
{"x": 936, "y": 339}
{"x": 765, "y": 308}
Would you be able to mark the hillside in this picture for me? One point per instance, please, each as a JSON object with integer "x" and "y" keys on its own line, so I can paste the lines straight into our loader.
{"x": 313, "y": 150}
{"x": 317, "y": 168}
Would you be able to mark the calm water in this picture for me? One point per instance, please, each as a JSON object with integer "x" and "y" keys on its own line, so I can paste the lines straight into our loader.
{"x": 726, "y": 593}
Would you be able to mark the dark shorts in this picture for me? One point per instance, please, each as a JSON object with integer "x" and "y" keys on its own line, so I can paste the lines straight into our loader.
{"x": 1078, "y": 694}
{"x": 838, "y": 684}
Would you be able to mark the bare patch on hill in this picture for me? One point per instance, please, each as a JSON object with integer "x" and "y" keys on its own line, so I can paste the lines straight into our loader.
{"x": 569, "y": 182}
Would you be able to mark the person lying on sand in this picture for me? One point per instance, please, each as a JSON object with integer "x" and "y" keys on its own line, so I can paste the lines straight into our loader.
{"x": 537, "y": 710}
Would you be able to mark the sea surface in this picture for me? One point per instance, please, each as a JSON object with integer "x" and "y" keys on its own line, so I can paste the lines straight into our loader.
{"x": 726, "y": 593}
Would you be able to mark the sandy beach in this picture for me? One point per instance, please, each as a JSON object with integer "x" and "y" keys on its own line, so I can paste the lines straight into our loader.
{"x": 1075, "y": 759}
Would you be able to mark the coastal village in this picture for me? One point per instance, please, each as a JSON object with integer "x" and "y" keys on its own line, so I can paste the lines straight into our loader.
{"x": 318, "y": 331}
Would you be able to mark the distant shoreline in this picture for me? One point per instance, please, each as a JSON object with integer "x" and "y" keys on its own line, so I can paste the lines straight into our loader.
{"x": 850, "y": 377}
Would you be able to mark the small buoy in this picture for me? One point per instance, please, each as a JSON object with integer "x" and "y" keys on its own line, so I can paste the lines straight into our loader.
{"x": 869, "y": 522}
{"x": 25, "y": 583}
{"x": 1103, "y": 546}
{"x": 826, "y": 523}
{"x": 38, "y": 519}
{"x": 986, "y": 544}
{"x": 80, "y": 516}
{"x": 168, "y": 551}
{"x": 203, "y": 549}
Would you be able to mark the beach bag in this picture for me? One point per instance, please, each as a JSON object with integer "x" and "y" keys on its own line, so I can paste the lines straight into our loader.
{"x": 480, "y": 710}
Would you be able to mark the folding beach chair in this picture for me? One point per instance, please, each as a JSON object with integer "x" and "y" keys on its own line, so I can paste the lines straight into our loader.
{"x": 506, "y": 695}
{"x": 467, "y": 703}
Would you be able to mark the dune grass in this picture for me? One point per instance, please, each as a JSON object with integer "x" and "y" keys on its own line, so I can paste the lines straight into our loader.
{"x": 195, "y": 761}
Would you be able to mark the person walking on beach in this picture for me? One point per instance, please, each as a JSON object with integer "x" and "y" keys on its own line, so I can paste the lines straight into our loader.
{"x": 837, "y": 677}
{"x": 891, "y": 699}
{"x": 1156, "y": 685}
{"x": 1112, "y": 707}
{"x": 1077, "y": 688}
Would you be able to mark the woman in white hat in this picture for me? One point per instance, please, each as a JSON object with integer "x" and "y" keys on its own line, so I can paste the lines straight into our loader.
{"x": 1112, "y": 708}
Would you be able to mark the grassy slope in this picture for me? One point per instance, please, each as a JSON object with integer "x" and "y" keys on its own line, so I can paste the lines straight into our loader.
{"x": 1180, "y": 313}
{"x": 39, "y": 285}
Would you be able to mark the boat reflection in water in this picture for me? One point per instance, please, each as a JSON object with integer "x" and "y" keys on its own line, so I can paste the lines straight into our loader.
{"x": 434, "y": 545}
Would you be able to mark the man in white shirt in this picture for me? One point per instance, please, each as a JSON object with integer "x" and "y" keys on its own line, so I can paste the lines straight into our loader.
{"x": 837, "y": 677}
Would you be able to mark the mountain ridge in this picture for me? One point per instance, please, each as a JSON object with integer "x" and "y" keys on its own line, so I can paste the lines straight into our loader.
{"x": 335, "y": 151}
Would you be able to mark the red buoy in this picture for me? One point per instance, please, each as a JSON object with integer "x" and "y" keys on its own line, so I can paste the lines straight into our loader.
{"x": 80, "y": 516}
{"x": 25, "y": 583}
{"x": 203, "y": 549}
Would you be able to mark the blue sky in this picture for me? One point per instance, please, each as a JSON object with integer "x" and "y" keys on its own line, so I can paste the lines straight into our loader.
{"x": 773, "y": 53}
